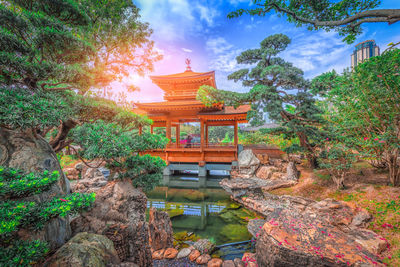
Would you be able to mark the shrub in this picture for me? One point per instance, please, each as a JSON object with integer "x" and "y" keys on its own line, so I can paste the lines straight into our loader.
{"x": 16, "y": 214}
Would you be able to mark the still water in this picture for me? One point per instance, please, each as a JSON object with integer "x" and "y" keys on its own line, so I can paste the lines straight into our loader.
{"x": 200, "y": 206}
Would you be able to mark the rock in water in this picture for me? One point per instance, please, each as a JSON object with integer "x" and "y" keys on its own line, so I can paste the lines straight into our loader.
{"x": 203, "y": 259}
{"x": 183, "y": 253}
{"x": 228, "y": 263}
{"x": 170, "y": 253}
{"x": 119, "y": 213}
{"x": 84, "y": 250}
{"x": 23, "y": 151}
{"x": 205, "y": 246}
{"x": 194, "y": 255}
{"x": 160, "y": 230}
{"x": 215, "y": 263}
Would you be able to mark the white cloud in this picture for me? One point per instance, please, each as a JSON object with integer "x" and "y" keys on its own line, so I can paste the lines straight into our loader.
{"x": 187, "y": 50}
{"x": 317, "y": 53}
{"x": 218, "y": 45}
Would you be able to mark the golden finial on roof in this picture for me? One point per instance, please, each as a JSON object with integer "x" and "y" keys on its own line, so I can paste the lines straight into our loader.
{"x": 188, "y": 68}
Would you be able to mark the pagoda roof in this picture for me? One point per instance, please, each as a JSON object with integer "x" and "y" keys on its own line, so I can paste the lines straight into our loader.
{"x": 184, "y": 85}
{"x": 176, "y": 105}
{"x": 188, "y": 74}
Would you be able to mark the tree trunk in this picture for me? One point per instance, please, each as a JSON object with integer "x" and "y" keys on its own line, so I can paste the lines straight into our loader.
{"x": 59, "y": 142}
{"x": 394, "y": 169}
{"x": 312, "y": 160}
{"x": 339, "y": 181}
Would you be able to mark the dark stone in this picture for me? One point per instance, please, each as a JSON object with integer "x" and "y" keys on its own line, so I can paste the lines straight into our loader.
{"x": 119, "y": 209}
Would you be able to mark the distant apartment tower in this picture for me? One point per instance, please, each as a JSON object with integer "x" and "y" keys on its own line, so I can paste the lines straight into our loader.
{"x": 363, "y": 51}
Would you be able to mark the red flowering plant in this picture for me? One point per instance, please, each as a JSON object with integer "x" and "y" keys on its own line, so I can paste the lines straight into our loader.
{"x": 337, "y": 159}
{"x": 364, "y": 110}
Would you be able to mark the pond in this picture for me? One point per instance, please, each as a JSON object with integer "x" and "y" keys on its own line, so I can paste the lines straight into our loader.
{"x": 200, "y": 208}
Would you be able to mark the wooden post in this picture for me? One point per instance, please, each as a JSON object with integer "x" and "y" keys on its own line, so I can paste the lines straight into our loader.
{"x": 206, "y": 135}
{"x": 151, "y": 129}
{"x": 168, "y": 130}
{"x": 235, "y": 139}
{"x": 140, "y": 130}
{"x": 178, "y": 135}
{"x": 201, "y": 134}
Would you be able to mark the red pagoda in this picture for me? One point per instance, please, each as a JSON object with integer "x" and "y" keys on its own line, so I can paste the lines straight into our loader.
{"x": 180, "y": 106}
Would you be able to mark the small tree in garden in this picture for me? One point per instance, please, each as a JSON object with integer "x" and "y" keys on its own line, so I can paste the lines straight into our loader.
{"x": 338, "y": 160}
{"x": 16, "y": 213}
{"x": 119, "y": 146}
{"x": 365, "y": 108}
{"x": 281, "y": 90}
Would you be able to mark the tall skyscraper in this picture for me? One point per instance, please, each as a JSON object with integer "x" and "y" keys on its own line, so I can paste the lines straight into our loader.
{"x": 363, "y": 51}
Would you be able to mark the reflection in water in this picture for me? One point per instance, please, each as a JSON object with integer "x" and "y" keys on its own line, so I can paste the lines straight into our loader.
{"x": 201, "y": 206}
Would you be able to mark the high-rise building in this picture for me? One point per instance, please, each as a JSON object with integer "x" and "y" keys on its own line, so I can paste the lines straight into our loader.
{"x": 363, "y": 51}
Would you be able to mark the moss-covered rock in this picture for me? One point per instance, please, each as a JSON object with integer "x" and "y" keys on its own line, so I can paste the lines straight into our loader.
{"x": 85, "y": 249}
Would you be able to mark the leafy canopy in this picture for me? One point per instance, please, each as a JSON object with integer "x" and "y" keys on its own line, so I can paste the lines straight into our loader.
{"x": 344, "y": 16}
{"x": 365, "y": 108}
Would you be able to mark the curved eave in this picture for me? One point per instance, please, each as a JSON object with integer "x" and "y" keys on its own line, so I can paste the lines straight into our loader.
{"x": 184, "y": 77}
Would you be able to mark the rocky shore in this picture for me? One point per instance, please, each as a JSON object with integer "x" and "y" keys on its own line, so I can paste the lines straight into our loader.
{"x": 297, "y": 231}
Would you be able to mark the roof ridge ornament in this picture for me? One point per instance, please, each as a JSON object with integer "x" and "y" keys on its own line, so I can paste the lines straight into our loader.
{"x": 188, "y": 61}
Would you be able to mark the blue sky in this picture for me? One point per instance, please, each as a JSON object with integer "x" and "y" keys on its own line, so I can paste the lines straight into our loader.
{"x": 200, "y": 30}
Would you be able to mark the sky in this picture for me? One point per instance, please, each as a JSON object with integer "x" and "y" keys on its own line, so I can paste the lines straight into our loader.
{"x": 201, "y": 31}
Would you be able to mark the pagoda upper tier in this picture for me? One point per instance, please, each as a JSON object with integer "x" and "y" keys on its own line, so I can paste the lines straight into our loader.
{"x": 183, "y": 86}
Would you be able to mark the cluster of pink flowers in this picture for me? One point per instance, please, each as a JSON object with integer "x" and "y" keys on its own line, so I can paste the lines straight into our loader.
{"x": 375, "y": 139}
{"x": 387, "y": 225}
{"x": 63, "y": 200}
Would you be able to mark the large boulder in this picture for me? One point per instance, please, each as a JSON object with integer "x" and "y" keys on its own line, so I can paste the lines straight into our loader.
{"x": 160, "y": 230}
{"x": 248, "y": 164}
{"x": 302, "y": 232}
{"x": 119, "y": 213}
{"x": 22, "y": 150}
{"x": 83, "y": 250}
{"x": 247, "y": 159}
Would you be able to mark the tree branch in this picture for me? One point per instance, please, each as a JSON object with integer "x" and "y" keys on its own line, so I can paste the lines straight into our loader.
{"x": 380, "y": 15}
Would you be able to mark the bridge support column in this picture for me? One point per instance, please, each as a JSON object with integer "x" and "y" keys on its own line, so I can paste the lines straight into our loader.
{"x": 167, "y": 171}
{"x": 202, "y": 171}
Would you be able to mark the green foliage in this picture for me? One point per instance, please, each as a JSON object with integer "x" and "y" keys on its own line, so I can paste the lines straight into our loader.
{"x": 145, "y": 171}
{"x": 23, "y": 253}
{"x": 112, "y": 141}
{"x": 69, "y": 204}
{"x": 278, "y": 88}
{"x": 30, "y": 215}
{"x": 364, "y": 108}
{"x": 15, "y": 184}
{"x": 119, "y": 146}
{"x": 338, "y": 160}
{"x": 22, "y": 109}
{"x": 323, "y": 14}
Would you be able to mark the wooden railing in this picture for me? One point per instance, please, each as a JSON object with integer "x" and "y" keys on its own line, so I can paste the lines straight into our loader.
{"x": 198, "y": 145}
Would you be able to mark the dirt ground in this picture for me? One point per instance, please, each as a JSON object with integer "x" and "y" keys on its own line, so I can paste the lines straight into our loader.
{"x": 367, "y": 188}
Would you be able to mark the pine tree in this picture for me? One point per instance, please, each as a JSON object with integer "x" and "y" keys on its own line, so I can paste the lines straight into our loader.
{"x": 280, "y": 89}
